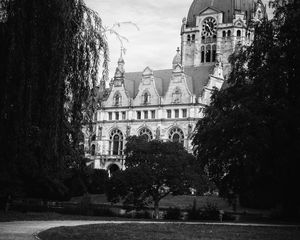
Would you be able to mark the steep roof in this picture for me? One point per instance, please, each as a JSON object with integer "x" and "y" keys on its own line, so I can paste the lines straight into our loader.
{"x": 197, "y": 78}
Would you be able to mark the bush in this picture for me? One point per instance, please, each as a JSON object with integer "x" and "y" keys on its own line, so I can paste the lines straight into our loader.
{"x": 173, "y": 213}
{"x": 97, "y": 181}
{"x": 208, "y": 212}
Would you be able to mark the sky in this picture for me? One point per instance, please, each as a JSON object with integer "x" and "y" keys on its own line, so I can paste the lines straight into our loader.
{"x": 152, "y": 28}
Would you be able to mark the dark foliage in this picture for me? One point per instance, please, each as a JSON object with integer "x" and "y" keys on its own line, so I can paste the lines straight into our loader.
{"x": 154, "y": 170}
{"x": 173, "y": 213}
{"x": 250, "y": 135}
{"x": 50, "y": 53}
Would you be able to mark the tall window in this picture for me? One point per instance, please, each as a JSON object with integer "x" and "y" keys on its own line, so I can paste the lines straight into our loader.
{"x": 117, "y": 99}
{"x": 116, "y": 142}
{"x": 184, "y": 113}
{"x": 146, "y": 133}
{"x": 117, "y": 115}
{"x": 224, "y": 34}
{"x": 208, "y": 53}
{"x": 176, "y": 113}
{"x": 110, "y": 116}
{"x": 238, "y": 33}
{"x": 176, "y": 135}
{"x": 152, "y": 114}
{"x": 188, "y": 38}
{"x": 93, "y": 150}
{"x": 228, "y": 33}
{"x": 169, "y": 114}
{"x": 145, "y": 114}
{"x": 123, "y": 115}
{"x": 202, "y": 54}
{"x": 193, "y": 37}
{"x": 214, "y": 53}
{"x": 138, "y": 114}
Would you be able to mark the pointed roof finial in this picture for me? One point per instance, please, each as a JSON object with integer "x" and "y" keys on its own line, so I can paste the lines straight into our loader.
{"x": 177, "y": 58}
{"x": 121, "y": 60}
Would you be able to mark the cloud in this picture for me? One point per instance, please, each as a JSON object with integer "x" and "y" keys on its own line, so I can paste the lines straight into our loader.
{"x": 155, "y": 43}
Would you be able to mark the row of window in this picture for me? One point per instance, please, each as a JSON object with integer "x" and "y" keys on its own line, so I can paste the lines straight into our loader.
{"x": 116, "y": 139}
{"x": 147, "y": 114}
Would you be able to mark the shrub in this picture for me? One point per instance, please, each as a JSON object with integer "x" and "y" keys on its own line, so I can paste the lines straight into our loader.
{"x": 210, "y": 212}
{"x": 173, "y": 213}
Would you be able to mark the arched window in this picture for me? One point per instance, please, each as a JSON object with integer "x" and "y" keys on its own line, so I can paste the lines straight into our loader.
{"x": 208, "y": 53}
{"x": 202, "y": 54}
{"x": 214, "y": 53}
{"x": 146, "y": 98}
{"x": 188, "y": 38}
{"x": 93, "y": 150}
{"x": 116, "y": 142}
{"x": 117, "y": 99}
{"x": 145, "y": 132}
{"x": 224, "y": 34}
{"x": 228, "y": 33}
{"x": 176, "y": 135}
{"x": 177, "y": 95}
{"x": 214, "y": 38}
{"x": 238, "y": 33}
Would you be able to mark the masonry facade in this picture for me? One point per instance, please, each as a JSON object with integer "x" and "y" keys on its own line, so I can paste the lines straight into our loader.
{"x": 166, "y": 104}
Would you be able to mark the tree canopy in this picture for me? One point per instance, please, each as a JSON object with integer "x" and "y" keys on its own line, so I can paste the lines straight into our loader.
{"x": 249, "y": 137}
{"x": 50, "y": 55}
{"x": 153, "y": 170}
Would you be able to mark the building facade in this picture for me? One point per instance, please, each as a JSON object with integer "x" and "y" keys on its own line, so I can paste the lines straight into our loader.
{"x": 166, "y": 104}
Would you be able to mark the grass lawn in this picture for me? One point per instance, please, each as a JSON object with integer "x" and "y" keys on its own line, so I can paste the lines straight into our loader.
{"x": 169, "y": 232}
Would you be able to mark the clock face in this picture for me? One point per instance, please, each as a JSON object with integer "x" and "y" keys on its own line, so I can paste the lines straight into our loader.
{"x": 209, "y": 26}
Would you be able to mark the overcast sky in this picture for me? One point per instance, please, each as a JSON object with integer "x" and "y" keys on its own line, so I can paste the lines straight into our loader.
{"x": 155, "y": 43}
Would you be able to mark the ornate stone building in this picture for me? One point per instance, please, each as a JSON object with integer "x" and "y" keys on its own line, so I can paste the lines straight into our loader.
{"x": 166, "y": 104}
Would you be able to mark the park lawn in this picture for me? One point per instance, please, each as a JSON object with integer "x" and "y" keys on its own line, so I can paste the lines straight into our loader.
{"x": 174, "y": 231}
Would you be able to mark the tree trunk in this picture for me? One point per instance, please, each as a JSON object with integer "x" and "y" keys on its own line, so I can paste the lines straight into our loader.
{"x": 156, "y": 210}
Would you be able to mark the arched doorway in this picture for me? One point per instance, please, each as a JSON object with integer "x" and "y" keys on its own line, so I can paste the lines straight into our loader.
{"x": 112, "y": 168}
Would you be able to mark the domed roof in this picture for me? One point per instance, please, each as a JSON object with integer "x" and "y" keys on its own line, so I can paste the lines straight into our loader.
{"x": 226, "y": 6}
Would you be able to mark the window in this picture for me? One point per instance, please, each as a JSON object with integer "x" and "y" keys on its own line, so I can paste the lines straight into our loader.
{"x": 188, "y": 38}
{"x": 208, "y": 53}
{"x": 117, "y": 99}
{"x": 228, "y": 33}
{"x": 238, "y": 33}
{"x": 93, "y": 150}
{"x": 146, "y": 133}
{"x": 224, "y": 34}
{"x": 176, "y": 113}
{"x": 116, "y": 115}
{"x": 169, "y": 114}
{"x": 138, "y": 115}
{"x": 193, "y": 38}
{"x": 93, "y": 138}
{"x": 176, "y": 135}
{"x": 203, "y": 39}
{"x": 184, "y": 113}
{"x": 202, "y": 54}
{"x": 110, "y": 116}
{"x": 123, "y": 115}
{"x": 145, "y": 114}
{"x": 153, "y": 114}
{"x": 116, "y": 142}
{"x": 214, "y": 54}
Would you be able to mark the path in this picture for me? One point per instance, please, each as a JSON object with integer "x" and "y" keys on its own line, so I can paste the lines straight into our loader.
{"x": 25, "y": 230}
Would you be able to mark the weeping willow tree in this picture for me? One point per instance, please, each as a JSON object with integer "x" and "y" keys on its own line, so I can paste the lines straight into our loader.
{"x": 51, "y": 52}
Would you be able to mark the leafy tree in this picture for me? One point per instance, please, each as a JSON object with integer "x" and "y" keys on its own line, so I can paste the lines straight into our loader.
{"x": 249, "y": 136}
{"x": 50, "y": 54}
{"x": 153, "y": 170}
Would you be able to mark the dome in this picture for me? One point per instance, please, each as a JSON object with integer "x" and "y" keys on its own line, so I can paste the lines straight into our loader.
{"x": 226, "y": 6}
